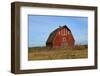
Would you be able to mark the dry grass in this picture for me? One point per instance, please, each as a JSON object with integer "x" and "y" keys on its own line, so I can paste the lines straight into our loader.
{"x": 47, "y": 53}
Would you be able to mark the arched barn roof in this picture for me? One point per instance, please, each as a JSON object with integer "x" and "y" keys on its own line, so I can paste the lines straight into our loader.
{"x": 52, "y": 35}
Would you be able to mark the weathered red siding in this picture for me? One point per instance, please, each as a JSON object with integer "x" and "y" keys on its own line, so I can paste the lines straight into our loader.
{"x": 63, "y": 34}
{"x": 61, "y": 37}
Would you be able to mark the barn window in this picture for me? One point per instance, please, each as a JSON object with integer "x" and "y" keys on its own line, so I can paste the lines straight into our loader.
{"x": 64, "y": 31}
{"x": 68, "y": 32}
{"x": 59, "y": 32}
{"x": 64, "y": 39}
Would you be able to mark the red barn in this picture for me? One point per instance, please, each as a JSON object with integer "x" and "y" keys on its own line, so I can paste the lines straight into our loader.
{"x": 60, "y": 37}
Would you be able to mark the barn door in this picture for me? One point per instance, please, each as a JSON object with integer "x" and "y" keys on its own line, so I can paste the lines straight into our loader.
{"x": 64, "y": 42}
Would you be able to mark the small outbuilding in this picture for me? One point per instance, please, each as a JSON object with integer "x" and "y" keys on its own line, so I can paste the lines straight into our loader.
{"x": 61, "y": 37}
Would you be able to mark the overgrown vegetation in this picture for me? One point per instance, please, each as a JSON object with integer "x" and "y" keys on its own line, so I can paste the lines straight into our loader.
{"x": 47, "y": 53}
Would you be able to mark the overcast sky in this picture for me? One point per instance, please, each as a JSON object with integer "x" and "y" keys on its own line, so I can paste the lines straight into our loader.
{"x": 40, "y": 27}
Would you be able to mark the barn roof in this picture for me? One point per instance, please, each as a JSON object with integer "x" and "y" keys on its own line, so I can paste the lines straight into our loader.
{"x": 52, "y": 35}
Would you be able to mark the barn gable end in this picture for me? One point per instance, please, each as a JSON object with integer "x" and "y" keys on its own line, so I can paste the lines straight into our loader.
{"x": 55, "y": 40}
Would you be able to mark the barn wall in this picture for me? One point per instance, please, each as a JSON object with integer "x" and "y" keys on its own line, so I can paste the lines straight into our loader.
{"x": 63, "y": 33}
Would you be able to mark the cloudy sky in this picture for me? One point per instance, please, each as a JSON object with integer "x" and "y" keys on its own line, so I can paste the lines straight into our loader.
{"x": 39, "y": 28}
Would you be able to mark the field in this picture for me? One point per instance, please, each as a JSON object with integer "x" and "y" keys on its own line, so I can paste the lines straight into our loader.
{"x": 47, "y": 53}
